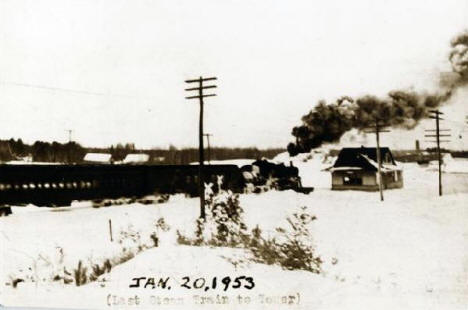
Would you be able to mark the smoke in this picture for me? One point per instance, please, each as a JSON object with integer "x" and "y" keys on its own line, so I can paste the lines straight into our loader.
{"x": 327, "y": 122}
{"x": 459, "y": 55}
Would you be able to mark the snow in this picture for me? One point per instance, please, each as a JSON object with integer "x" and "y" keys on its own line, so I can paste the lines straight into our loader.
{"x": 97, "y": 157}
{"x": 344, "y": 168}
{"x": 407, "y": 252}
{"x": 136, "y": 158}
{"x": 238, "y": 162}
{"x": 385, "y": 168}
{"x": 455, "y": 166}
{"x": 22, "y": 162}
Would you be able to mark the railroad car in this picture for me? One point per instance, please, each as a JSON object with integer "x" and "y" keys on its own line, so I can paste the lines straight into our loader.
{"x": 49, "y": 185}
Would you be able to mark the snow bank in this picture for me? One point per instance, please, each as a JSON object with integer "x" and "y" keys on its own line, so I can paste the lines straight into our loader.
{"x": 237, "y": 162}
{"x": 455, "y": 165}
{"x": 408, "y": 252}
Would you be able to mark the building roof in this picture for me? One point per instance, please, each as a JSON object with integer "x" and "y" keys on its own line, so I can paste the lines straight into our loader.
{"x": 136, "y": 158}
{"x": 98, "y": 157}
{"x": 364, "y": 158}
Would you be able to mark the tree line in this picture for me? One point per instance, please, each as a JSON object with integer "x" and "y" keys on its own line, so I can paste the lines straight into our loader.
{"x": 41, "y": 151}
{"x": 73, "y": 152}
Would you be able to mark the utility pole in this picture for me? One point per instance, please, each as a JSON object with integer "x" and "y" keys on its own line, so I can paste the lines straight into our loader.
{"x": 69, "y": 135}
{"x": 208, "y": 135}
{"x": 200, "y": 87}
{"x": 69, "y": 145}
{"x": 435, "y": 114}
{"x": 377, "y": 129}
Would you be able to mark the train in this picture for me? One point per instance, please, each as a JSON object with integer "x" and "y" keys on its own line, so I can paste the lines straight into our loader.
{"x": 60, "y": 184}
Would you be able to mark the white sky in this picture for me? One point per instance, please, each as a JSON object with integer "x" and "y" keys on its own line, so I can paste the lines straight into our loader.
{"x": 273, "y": 60}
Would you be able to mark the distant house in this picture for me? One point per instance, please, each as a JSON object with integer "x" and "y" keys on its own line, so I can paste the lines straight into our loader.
{"x": 136, "y": 158}
{"x": 98, "y": 158}
{"x": 158, "y": 159}
{"x": 357, "y": 168}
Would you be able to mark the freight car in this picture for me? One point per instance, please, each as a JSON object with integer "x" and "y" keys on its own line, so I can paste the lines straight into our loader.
{"x": 49, "y": 185}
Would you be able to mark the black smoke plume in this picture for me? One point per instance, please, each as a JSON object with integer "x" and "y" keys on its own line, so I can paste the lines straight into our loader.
{"x": 327, "y": 122}
{"x": 459, "y": 57}
{"x": 459, "y": 60}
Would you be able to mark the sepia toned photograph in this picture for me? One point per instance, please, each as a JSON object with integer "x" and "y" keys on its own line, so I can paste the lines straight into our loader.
{"x": 228, "y": 154}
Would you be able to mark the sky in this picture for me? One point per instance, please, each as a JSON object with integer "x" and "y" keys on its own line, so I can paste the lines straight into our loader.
{"x": 114, "y": 70}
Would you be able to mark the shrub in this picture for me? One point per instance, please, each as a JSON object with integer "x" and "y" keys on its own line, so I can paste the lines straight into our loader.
{"x": 160, "y": 225}
{"x": 123, "y": 257}
{"x": 80, "y": 274}
{"x": 291, "y": 249}
{"x": 97, "y": 270}
{"x": 264, "y": 250}
{"x": 184, "y": 240}
{"x": 50, "y": 267}
{"x": 130, "y": 239}
{"x": 223, "y": 225}
{"x": 226, "y": 213}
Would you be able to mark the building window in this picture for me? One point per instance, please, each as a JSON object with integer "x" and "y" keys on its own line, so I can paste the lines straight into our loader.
{"x": 352, "y": 179}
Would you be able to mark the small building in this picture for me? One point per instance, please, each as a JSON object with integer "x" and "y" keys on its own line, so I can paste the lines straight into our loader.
{"x": 158, "y": 159}
{"x": 136, "y": 158}
{"x": 98, "y": 158}
{"x": 357, "y": 168}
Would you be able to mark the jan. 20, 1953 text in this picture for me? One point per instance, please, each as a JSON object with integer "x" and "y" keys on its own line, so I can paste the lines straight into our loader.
{"x": 200, "y": 283}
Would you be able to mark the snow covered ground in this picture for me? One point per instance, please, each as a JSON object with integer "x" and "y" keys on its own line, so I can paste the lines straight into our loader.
{"x": 408, "y": 252}
{"x": 238, "y": 162}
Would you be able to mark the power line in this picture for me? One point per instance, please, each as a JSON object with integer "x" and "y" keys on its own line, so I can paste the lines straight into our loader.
{"x": 74, "y": 91}
{"x": 435, "y": 114}
{"x": 208, "y": 135}
{"x": 200, "y": 88}
{"x": 377, "y": 129}
{"x": 69, "y": 90}
{"x": 456, "y": 122}
{"x": 70, "y": 131}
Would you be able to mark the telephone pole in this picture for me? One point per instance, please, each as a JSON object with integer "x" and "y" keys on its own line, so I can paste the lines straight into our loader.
{"x": 208, "y": 135}
{"x": 69, "y": 145}
{"x": 200, "y": 88}
{"x": 69, "y": 135}
{"x": 435, "y": 114}
{"x": 377, "y": 129}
